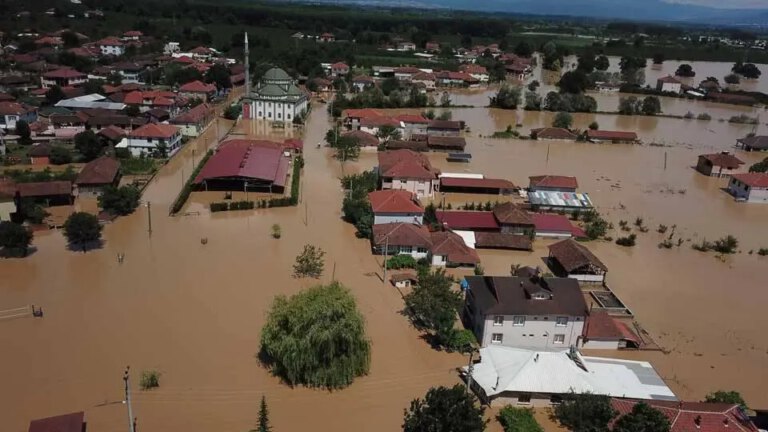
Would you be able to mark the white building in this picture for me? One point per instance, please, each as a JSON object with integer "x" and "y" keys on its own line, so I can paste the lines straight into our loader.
{"x": 669, "y": 84}
{"x": 171, "y": 48}
{"x": 408, "y": 170}
{"x": 151, "y": 139}
{"x": 525, "y": 312}
{"x": 111, "y": 47}
{"x": 391, "y": 206}
{"x": 276, "y": 98}
{"x": 749, "y": 187}
{"x": 519, "y": 376}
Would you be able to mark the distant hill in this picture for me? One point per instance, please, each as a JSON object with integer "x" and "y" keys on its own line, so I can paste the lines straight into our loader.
{"x": 636, "y": 10}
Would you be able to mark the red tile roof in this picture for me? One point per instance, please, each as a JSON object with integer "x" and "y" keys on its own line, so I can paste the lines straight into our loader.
{"x": 511, "y": 214}
{"x": 394, "y": 201}
{"x": 755, "y": 180}
{"x": 684, "y": 416}
{"x": 244, "y": 158}
{"x": 379, "y": 122}
{"x": 64, "y": 73}
{"x": 339, "y": 66}
{"x": 402, "y": 234}
{"x": 600, "y": 326}
{"x": 133, "y": 33}
{"x": 452, "y": 246}
{"x": 294, "y": 143}
{"x": 363, "y": 138}
{"x": 152, "y": 130}
{"x": 12, "y": 108}
{"x": 611, "y": 135}
{"x": 553, "y": 181}
{"x": 467, "y": 220}
{"x": 363, "y": 79}
{"x": 552, "y": 222}
{"x": 473, "y": 69}
{"x": 475, "y": 183}
{"x": 109, "y": 41}
{"x": 112, "y": 132}
{"x": 407, "y": 70}
{"x": 412, "y": 118}
{"x": 42, "y": 189}
{"x": 194, "y": 115}
{"x": 63, "y": 423}
{"x": 5, "y": 97}
{"x": 499, "y": 240}
{"x": 723, "y": 159}
{"x": 572, "y": 255}
{"x": 184, "y": 60}
{"x": 362, "y": 113}
{"x": 200, "y": 50}
{"x": 405, "y": 164}
{"x": 553, "y": 133}
{"x": 100, "y": 171}
{"x": 669, "y": 79}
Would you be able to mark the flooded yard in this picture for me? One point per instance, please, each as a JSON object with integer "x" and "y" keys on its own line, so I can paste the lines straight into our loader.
{"x": 193, "y": 311}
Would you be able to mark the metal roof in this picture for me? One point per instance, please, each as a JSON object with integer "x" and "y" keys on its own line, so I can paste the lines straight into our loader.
{"x": 76, "y": 104}
{"x": 560, "y": 199}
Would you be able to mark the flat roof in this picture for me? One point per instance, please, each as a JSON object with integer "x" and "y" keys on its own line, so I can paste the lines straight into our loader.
{"x": 560, "y": 199}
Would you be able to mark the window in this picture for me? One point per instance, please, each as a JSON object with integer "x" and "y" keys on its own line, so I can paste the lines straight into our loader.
{"x": 518, "y": 321}
{"x": 559, "y": 338}
{"x": 561, "y": 322}
{"x": 406, "y": 249}
{"x": 421, "y": 250}
{"x": 496, "y": 338}
{"x": 498, "y": 320}
{"x": 524, "y": 398}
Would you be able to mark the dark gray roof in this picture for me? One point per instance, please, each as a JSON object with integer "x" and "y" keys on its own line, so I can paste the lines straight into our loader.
{"x": 511, "y": 295}
{"x": 756, "y": 142}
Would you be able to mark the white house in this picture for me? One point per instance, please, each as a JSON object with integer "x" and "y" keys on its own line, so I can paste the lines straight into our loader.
{"x": 12, "y": 112}
{"x": 402, "y": 238}
{"x": 339, "y": 69}
{"x": 572, "y": 259}
{"x": 527, "y": 311}
{"x": 669, "y": 84}
{"x": 391, "y": 206}
{"x": 64, "y": 77}
{"x": 749, "y": 187}
{"x": 171, "y": 48}
{"x": 408, "y": 170}
{"x": 150, "y": 138}
{"x": 276, "y": 98}
{"x": 111, "y": 46}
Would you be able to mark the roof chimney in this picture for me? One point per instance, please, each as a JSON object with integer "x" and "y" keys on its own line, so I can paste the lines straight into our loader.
{"x": 726, "y": 422}
{"x": 697, "y": 421}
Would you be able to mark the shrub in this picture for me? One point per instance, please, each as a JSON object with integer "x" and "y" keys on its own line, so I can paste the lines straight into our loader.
{"x": 666, "y": 244}
{"x": 276, "y": 231}
{"x": 689, "y": 115}
{"x": 703, "y": 246}
{"x": 219, "y": 206}
{"x": 187, "y": 189}
{"x": 515, "y": 419}
{"x": 309, "y": 263}
{"x": 401, "y": 261}
{"x": 661, "y": 229}
{"x": 726, "y": 245}
{"x": 461, "y": 341}
{"x": 628, "y": 241}
{"x": 149, "y": 379}
{"x": 479, "y": 270}
{"x": 743, "y": 119}
{"x": 60, "y": 155}
{"x": 704, "y": 116}
{"x": 762, "y": 251}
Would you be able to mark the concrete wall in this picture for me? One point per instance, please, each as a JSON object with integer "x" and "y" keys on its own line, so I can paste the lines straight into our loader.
{"x": 422, "y": 188}
{"x": 394, "y": 218}
{"x": 532, "y": 333}
{"x": 601, "y": 345}
{"x": 513, "y": 398}
{"x": 588, "y": 278}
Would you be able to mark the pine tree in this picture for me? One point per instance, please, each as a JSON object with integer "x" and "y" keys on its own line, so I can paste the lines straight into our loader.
{"x": 264, "y": 417}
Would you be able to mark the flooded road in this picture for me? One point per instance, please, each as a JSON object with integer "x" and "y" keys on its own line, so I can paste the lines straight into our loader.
{"x": 194, "y": 311}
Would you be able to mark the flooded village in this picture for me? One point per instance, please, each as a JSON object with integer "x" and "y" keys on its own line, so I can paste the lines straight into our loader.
{"x": 183, "y": 284}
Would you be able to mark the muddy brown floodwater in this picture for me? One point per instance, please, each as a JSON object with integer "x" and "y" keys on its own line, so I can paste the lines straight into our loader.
{"x": 194, "y": 311}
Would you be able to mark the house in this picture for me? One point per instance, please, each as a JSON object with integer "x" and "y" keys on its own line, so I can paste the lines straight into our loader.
{"x": 462, "y": 184}
{"x": 407, "y": 170}
{"x": 749, "y": 187}
{"x": 16, "y": 82}
{"x": 718, "y": 164}
{"x": 553, "y": 133}
{"x": 446, "y": 143}
{"x": 405, "y": 73}
{"x": 525, "y": 312}
{"x": 276, "y": 98}
{"x": 361, "y": 82}
{"x": 476, "y": 221}
{"x": 390, "y": 206}
{"x": 478, "y": 72}
{"x": 50, "y": 193}
{"x": 513, "y": 219}
{"x": 548, "y": 200}
{"x": 402, "y": 238}
{"x": 132, "y": 35}
{"x": 602, "y": 331}
{"x": 131, "y": 72}
{"x": 364, "y": 139}
{"x": 449, "y": 249}
{"x": 153, "y": 139}
{"x": 372, "y": 125}
{"x": 417, "y": 146}
{"x": 413, "y": 124}
{"x": 540, "y": 378}
{"x": 427, "y": 79}
{"x": 198, "y": 90}
{"x": 693, "y": 416}
{"x": 615, "y": 137}
{"x": 202, "y": 53}
{"x": 444, "y": 128}
{"x": 64, "y": 77}
{"x": 406, "y": 46}
{"x": 98, "y": 174}
{"x": 246, "y": 165}
{"x": 353, "y": 117}
{"x": 572, "y": 259}
{"x": 339, "y": 69}
{"x": 432, "y": 47}
{"x": 111, "y": 134}
{"x": 74, "y": 422}
{"x": 12, "y": 112}
{"x": 753, "y": 143}
{"x": 194, "y": 121}
{"x": 552, "y": 183}
{"x": 669, "y": 84}
{"x": 326, "y": 37}
{"x": 555, "y": 226}
{"x": 111, "y": 46}
{"x": 404, "y": 279}
{"x": 39, "y": 154}
{"x": 500, "y": 240}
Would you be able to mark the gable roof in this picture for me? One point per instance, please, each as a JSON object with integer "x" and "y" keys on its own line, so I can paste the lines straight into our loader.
{"x": 246, "y": 158}
{"x": 197, "y": 86}
{"x": 412, "y": 118}
{"x": 339, "y": 65}
{"x": 112, "y": 132}
{"x": 476, "y": 183}
{"x": 500, "y": 240}
{"x": 723, "y": 159}
{"x": 553, "y": 181}
{"x": 600, "y": 326}
{"x": 394, "y": 201}
{"x": 755, "y": 180}
{"x": 153, "y": 130}
{"x": 467, "y": 220}
{"x": 512, "y": 295}
{"x": 41, "y": 189}
{"x": 683, "y": 416}
{"x": 757, "y": 141}
{"x": 13, "y": 108}
{"x": 669, "y": 79}
{"x": 362, "y": 113}
{"x": 72, "y": 422}
{"x": 39, "y": 150}
{"x": 444, "y": 124}
{"x": 453, "y": 247}
{"x": 363, "y": 138}
{"x": 99, "y": 171}
{"x": 512, "y": 214}
{"x": 401, "y": 234}
{"x": 572, "y": 255}
{"x": 611, "y": 135}
{"x": 553, "y": 133}
{"x": 193, "y": 115}
{"x": 405, "y": 164}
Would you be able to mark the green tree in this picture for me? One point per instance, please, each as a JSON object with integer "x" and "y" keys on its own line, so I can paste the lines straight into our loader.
{"x": 594, "y": 125}
{"x": 723, "y": 396}
{"x": 445, "y": 410}
{"x": 316, "y": 338}
{"x": 81, "y": 229}
{"x": 119, "y": 201}
{"x": 60, "y": 155}
{"x": 114, "y": 79}
{"x": 747, "y": 70}
{"x": 651, "y": 105}
{"x": 54, "y": 95}
{"x": 508, "y": 97}
{"x": 658, "y": 58}
{"x": 309, "y": 263}
{"x": 685, "y": 70}
{"x": 24, "y": 132}
{"x": 585, "y": 412}
{"x": 70, "y": 39}
{"x": 563, "y": 120}
{"x": 628, "y": 105}
{"x": 218, "y": 74}
{"x": 88, "y": 145}
{"x": 14, "y": 239}
{"x": 515, "y": 419}
{"x": 524, "y": 49}
{"x": 445, "y": 100}
{"x": 760, "y": 167}
{"x": 94, "y": 86}
{"x": 432, "y": 305}
{"x": 574, "y": 82}
{"x": 732, "y": 79}
{"x": 532, "y": 101}
{"x": 389, "y": 133}
{"x": 232, "y": 112}
{"x": 602, "y": 63}
{"x": 264, "y": 425}
{"x": 643, "y": 418}
{"x": 132, "y": 111}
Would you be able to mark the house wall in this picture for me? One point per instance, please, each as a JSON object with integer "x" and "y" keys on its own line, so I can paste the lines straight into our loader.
{"x": 439, "y": 260}
{"x": 9, "y": 121}
{"x": 115, "y": 50}
{"x": 415, "y": 252}
{"x": 137, "y": 146}
{"x": 554, "y": 234}
{"x": 587, "y": 277}
{"x": 383, "y": 218}
{"x": 513, "y": 398}
{"x": 552, "y": 189}
{"x": 705, "y": 167}
{"x": 276, "y": 110}
{"x": 39, "y": 160}
{"x": 670, "y": 87}
{"x": 421, "y": 188}
{"x": 514, "y": 229}
{"x": 742, "y": 191}
{"x": 537, "y": 332}
{"x": 603, "y": 345}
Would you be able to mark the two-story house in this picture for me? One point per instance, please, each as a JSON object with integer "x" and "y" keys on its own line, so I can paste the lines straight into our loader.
{"x": 111, "y": 46}
{"x": 395, "y": 206}
{"x": 749, "y": 187}
{"x": 198, "y": 90}
{"x": 526, "y": 311}
{"x": 339, "y": 70}
{"x": 64, "y": 77}
{"x": 12, "y": 112}
{"x": 408, "y": 170}
{"x": 152, "y": 139}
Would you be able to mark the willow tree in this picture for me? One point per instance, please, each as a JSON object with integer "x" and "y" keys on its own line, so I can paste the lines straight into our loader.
{"x": 316, "y": 338}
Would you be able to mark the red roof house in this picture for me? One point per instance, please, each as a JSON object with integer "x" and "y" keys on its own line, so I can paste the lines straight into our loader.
{"x": 395, "y": 206}
{"x": 241, "y": 164}
{"x": 553, "y": 183}
{"x": 693, "y": 416}
{"x": 468, "y": 220}
{"x": 407, "y": 170}
{"x": 74, "y": 422}
{"x": 554, "y": 225}
{"x": 718, "y": 164}
{"x": 476, "y": 185}
{"x": 615, "y": 137}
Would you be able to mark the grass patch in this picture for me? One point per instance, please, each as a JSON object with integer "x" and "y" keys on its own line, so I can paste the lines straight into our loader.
{"x": 149, "y": 379}
{"x": 134, "y": 166}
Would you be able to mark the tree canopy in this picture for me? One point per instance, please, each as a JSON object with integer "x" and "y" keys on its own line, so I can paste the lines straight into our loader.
{"x": 602, "y": 63}
{"x": 685, "y": 70}
{"x": 14, "y": 239}
{"x": 732, "y": 397}
{"x": 514, "y": 419}
{"x": 264, "y": 425}
{"x": 81, "y": 228}
{"x": 119, "y": 201}
{"x": 316, "y": 338}
{"x": 54, "y": 95}
{"x": 432, "y": 305}
{"x": 445, "y": 410}
{"x": 309, "y": 263}
{"x": 585, "y": 412}
{"x": 24, "y": 132}
{"x": 508, "y": 97}
{"x": 643, "y": 418}
{"x": 88, "y": 145}
{"x": 218, "y": 74}
{"x": 575, "y": 81}
{"x": 563, "y": 120}
{"x": 747, "y": 70}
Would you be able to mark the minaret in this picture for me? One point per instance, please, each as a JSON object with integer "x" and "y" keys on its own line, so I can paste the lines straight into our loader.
{"x": 247, "y": 68}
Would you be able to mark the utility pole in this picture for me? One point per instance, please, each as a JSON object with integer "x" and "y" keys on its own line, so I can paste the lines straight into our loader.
{"x": 149, "y": 217}
{"x": 131, "y": 419}
{"x": 386, "y": 251}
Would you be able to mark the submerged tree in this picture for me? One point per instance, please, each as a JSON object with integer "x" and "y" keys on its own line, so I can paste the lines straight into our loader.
{"x": 722, "y": 396}
{"x": 445, "y": 410}
{"x": 14, "y": 239}
{"x": 309, "y": 263}
{"x": 432, "y": 305}
{"x": 316, "y": 338}
{"x": 643, "y": 418}
{"x": 81, "y": 229}
{"x": 264, "y": 425}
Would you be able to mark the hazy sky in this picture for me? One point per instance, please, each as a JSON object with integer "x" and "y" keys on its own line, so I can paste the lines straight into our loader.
{"x": 729, "y": 4}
